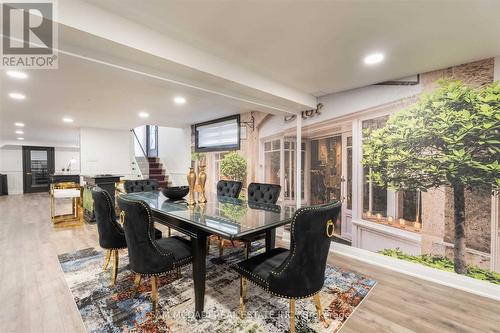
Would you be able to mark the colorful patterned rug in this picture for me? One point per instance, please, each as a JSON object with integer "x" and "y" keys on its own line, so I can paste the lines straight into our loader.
{"x": 105, "y": 308}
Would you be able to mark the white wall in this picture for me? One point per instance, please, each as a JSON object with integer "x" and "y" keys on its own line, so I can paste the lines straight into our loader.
{"x": 345, "y": 103}
{"x": 63, "y": 156}
{"x": 106, "y": 152}
{"x": 174, "y": 150}
{"x": 11, "y": 163}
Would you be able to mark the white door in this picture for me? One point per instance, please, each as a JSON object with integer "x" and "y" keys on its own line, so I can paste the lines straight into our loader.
{"x": 346, "y": 187}
{"x": 289, "y": 165}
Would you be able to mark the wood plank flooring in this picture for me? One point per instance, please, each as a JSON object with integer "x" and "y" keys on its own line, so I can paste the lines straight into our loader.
{"x": 34, "y": 296}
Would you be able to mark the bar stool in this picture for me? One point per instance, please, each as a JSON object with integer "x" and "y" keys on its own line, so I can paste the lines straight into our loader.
{"x": 66, "y": 190}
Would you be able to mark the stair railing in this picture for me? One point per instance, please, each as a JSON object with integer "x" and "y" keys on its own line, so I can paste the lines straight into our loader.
{"x": 139, "y": 142}
{"x": 141, "y": 161}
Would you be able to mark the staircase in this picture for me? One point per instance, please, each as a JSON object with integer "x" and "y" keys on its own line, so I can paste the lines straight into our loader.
{"x": 156, "y": 171}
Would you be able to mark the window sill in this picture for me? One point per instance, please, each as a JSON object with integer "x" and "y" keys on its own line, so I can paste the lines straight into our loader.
{"x": 394, "y": 224}
{"x": 395, "y": 232}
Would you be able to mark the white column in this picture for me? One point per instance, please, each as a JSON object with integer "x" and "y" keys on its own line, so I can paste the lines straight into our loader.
{"x": 298, "y": 157}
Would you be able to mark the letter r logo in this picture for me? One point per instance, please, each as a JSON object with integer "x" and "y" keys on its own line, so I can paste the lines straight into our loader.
{"x": 27, "y": 28}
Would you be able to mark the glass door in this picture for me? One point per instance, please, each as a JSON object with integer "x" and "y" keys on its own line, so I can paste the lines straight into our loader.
{"x": 346, "y": 179}
{"x": 289, "y": 167}
{"x": 38, "y": 163}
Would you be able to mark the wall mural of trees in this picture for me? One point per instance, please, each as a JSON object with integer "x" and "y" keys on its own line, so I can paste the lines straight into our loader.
{"x": 449, "y": 138}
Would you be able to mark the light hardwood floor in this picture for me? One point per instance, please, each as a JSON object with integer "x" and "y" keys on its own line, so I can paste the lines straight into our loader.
{"x": 34, "y": 296}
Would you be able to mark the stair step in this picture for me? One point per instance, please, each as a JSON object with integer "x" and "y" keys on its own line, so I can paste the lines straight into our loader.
{"x": 153, "y": 159}
{"x": 158, "y": 177}
{"x": 156, "y": 171}
{"x": 155, "y": 165}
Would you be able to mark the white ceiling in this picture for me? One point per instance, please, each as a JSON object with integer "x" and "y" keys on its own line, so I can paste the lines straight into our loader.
{"x": 318, "y": 46}
{"x": 312, "y": 47}
{"x": 98, "y": 95}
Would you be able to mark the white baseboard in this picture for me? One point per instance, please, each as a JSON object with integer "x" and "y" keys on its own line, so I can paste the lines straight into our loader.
{"x": 449, "y": 279}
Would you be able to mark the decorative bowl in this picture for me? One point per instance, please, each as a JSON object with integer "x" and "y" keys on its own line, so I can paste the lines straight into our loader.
{"x": 175, "y": 193}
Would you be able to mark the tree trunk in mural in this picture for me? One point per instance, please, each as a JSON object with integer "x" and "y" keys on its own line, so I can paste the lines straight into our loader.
{"x": 459, "y": 217}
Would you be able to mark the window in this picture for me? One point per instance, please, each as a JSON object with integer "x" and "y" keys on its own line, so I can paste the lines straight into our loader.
{"x": 217, "y": 158}
{"x": 401, "y": 209}
{"x": 272, "y": 151}
{"x": 374, "y": 197}
{"x": 290, "y": 164}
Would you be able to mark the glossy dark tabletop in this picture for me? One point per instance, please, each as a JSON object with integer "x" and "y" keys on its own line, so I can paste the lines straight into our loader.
{"x": 231, "y": 218}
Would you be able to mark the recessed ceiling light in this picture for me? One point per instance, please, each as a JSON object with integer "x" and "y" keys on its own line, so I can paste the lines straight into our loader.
{"x": 15, "y": 95}
{"x": 20, "y": 138}
{"x": 17, "y": 74}
{"x": 19, "y": 132}
{"x": 374, "y": 58}
{"x": 179, "y": 100}
{"x": 67, "y": 120}
{"x": 143, "y": 114}
{"x": 19, "y": 124}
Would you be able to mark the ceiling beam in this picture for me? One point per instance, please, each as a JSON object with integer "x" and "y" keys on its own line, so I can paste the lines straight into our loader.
{"x": 92, "y": 20}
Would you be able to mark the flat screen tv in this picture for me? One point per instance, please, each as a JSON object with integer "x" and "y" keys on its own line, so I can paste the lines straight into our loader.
{"x": 218, "y": 135}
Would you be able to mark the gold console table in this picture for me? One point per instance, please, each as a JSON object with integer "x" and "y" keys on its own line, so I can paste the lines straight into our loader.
{"x": 66, "y": 190}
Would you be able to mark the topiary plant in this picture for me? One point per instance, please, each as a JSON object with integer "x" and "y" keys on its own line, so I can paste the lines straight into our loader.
{"x": 233, "y": 166}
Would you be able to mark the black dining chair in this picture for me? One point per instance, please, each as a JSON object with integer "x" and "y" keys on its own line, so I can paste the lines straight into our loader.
{"x": 111, "y": 234}
{"x": 300, "y": 271}
{"x": 149, "y": 257}
{"x": 260, "y": 193}
{"x": 229, "y": 188}
{"x": 263, "y": 193}
{"x": 141, "y": 185}
{"x": 226, "y": 189}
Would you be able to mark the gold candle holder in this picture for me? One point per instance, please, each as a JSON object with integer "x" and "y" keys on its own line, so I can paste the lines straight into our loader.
{"x": 379, "y": 217}
{"x": 402, "y": 222}
{"x": 191, "y": 178}
{"x": 390, "y": 219}
{"x": 202, "y": 179}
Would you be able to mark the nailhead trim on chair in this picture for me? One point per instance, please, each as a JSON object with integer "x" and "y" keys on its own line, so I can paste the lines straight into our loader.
{"x": 151, "y": 225}
{"x": 111, "y": 208}
{"x": 297, "y": 213}
{"x": 266, "y": 287}
{"x": 176, "y": 266}
{"x": 254, "y": 276}
{"x": 275, "y": 294}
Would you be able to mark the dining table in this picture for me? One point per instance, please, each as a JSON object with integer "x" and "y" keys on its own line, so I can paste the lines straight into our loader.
{"x": 229, "y": 218}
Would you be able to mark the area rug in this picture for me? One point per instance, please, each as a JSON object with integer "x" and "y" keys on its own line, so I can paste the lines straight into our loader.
{"x": 119, "y": 308}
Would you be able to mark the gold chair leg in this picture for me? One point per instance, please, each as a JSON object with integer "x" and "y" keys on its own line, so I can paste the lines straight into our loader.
{"x": 137, "y": 280}
{"x": 243, "y": 295}
{"x": 115, "y": 266}
{"x": 319, "y": 309}
{"x": 292, "y": 316}
{"x": 154, "y": 292}
{"x": 106, "y": 260}
{"x": 169, "y": 232}
{"x": 221, "y": 247}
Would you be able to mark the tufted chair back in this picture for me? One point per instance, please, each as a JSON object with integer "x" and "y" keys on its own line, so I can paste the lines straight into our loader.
{"x": 302, "y": 273}
{"x": 141, "y": 185}
{"x": 145, "y": 256}
{"x": 229, "y": 188}
{"x": 263, "y": 193}
{"x": 111, "y": 235}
